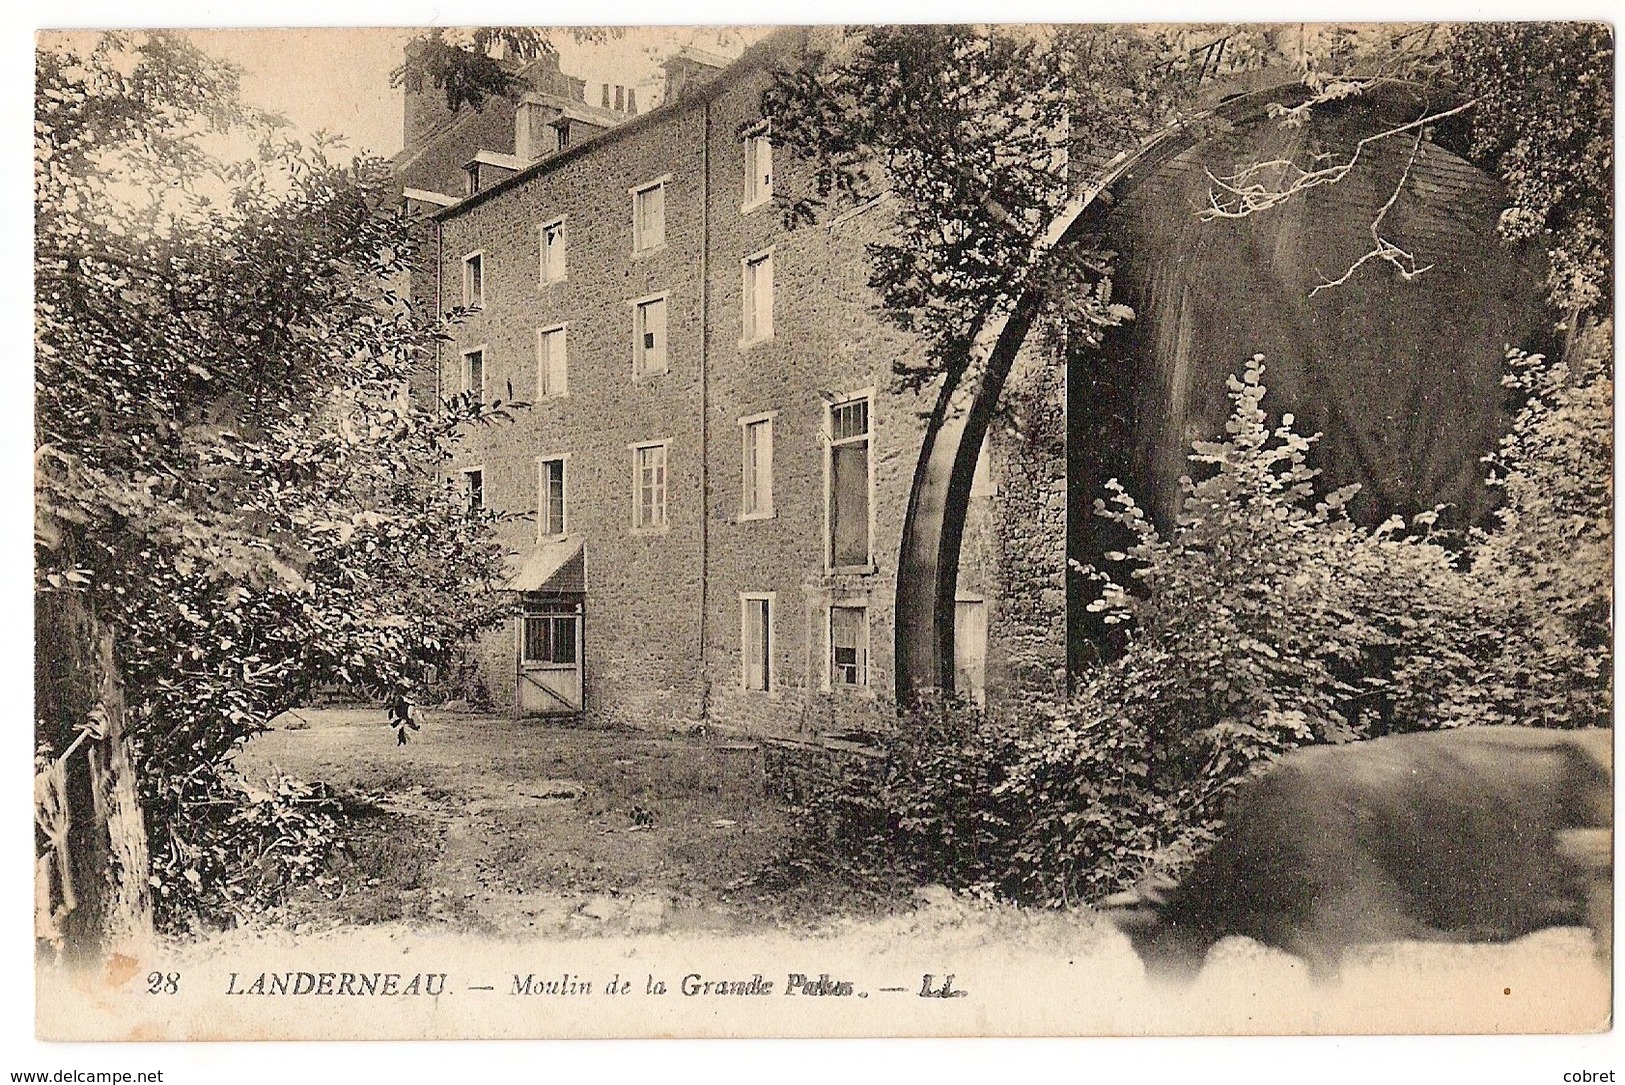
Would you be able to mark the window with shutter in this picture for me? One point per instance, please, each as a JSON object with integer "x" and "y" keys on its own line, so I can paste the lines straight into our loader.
{"x": 649, "y": 333}
{"x": 849, "y": 647}
{"x": 970, "y": 649}
{"x": 474, "y": 374}
{"x": 649, "y": 486}
{"x": 474, "y": 280}
{"x": 649, "y": 217}
{"x": 757, "y": 498}
{"x": 849, "y": 484}
{"x": 552, "y": 362}
{"x": 550, "y": 500}
{"x": 756, "y": 639}
{"x": 758, "y": 171}
{"x": 758, "y": 298}
{"x": 552, "y": 246}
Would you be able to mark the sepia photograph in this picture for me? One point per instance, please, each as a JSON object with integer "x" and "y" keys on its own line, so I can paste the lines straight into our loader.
{"x": 839, "y": 531}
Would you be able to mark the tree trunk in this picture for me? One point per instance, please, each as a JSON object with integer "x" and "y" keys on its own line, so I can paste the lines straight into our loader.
{"x": 91, "y": 842}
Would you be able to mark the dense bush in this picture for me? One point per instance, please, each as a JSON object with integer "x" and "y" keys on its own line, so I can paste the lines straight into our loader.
{"x": 928, "y": 809}
{"x": 230, "y": 849}
{"x": 1267, "y": 617}
{"x": 228, "y": 479}
{"x": 1262, "y": 620}
{"x": 1547, "y": 571}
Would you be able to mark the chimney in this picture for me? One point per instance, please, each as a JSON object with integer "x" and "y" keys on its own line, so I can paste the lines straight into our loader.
{"x": 631, "y": 101}
{"x": 532, "y": 137}
{"x": 605, "y": 102}
{"x": 689, "y": 68}
{"x": 620, "y": 99}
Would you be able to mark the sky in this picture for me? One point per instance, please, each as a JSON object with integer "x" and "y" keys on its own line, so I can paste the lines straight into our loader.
{"x": 338, "y": 78}
{"x": 335, "y": 76}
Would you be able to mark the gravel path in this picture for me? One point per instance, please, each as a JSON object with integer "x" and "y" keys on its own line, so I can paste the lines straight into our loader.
{"x": 516, "y": 827}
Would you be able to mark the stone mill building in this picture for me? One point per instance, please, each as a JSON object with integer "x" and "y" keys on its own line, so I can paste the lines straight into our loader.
{"x": 716, "y": 465}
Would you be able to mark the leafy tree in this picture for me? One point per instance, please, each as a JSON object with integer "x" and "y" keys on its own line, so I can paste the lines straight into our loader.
{"x": 474, "y": 63}
{"x": 975, "y": 134}
{"x": 236, "y": 500}
{"x": 1546, "y": 572}
{"x": 471, "y": 65}
{"x": 1545, "y": 118}
{"x": 981, "y": 135}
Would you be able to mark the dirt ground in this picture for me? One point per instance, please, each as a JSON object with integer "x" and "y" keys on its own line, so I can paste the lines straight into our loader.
{"x": 515, "y": 827}
{"x": 489, "y": 849}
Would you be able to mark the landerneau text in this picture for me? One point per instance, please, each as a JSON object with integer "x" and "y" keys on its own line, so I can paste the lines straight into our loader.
{"x": 388, "y": 984}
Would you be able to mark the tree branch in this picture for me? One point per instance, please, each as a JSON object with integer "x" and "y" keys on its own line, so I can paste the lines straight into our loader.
{"x": 1382, "y": 248}
{"x": 1245, "y": 192}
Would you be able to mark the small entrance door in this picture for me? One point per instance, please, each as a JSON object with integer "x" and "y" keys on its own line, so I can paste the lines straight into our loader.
{"x": 550, "y": 660}
{"x": 970, "y": 649}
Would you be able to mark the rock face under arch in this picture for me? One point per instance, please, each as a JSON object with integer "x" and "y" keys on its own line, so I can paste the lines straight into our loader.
{"x": 1402, "y": 377}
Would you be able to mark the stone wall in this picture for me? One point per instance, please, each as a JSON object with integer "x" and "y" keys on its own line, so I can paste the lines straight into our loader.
{"x": 1027, "y": 635}
{"x": 663, "y": 635}
{"x": 641, "y": 642}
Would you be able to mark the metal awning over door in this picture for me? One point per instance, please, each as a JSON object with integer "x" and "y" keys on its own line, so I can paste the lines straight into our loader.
{"x": 556, "y": 565}
{"x": 548, "y": 641}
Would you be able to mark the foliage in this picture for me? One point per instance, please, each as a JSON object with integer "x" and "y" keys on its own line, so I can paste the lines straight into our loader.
{"x": 1545, "y": 119}
{"x": 921, "y": 812}
{"x": 1548, "y": 568}
{"x": 973, "y": 132}
{"x": 1105, "y": 795}
{"x": 472, "y": 64}
{"x": 228, "y": 466}
{"x": 1264, "y": 620}
{"x": 234, "y": 848}
{"x": 1277, "y": 619}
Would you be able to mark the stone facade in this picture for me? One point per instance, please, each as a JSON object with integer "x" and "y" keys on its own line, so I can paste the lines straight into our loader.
{"x": 664, "y": 637}
{"x": 1027, "y": 535}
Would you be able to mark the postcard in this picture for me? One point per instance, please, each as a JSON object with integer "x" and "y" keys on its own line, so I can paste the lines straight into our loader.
{"x": 776, "y": 532}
